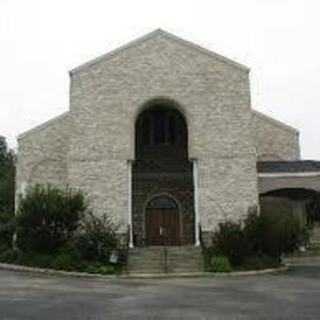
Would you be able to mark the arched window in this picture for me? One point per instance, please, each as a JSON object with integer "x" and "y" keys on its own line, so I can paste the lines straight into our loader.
{"x": 161, "y": 131}
{"x": 159, "y": 127}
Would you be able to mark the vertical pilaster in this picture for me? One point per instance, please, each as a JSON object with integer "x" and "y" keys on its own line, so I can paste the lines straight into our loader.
{"x": 130, "y": 204}
{"x": 196, "y": 201}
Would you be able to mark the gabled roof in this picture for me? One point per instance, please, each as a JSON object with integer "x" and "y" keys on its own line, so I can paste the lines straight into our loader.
{"x": 162, "y": 33}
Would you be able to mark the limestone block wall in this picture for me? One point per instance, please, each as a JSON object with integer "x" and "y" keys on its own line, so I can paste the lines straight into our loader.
{"x": 42, "y": 154}
{"x": 214, "y": 95}
{"x": 274, "y": 140}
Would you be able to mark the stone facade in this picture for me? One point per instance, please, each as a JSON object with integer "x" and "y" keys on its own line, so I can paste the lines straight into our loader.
{"x": 274, "y": 140}
{"x": 90, "y": 146}
{"x": 43, "y": 153}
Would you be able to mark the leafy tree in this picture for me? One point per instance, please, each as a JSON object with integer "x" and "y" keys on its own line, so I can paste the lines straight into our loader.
{"x": 7, "y": 178}
{"x": 3, "y": 148}
{"x": 7, "y": 194}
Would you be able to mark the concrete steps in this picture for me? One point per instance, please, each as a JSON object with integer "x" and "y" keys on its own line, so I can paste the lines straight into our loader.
{"x": 315, "y": 237}
{"x": 158, "y": 259}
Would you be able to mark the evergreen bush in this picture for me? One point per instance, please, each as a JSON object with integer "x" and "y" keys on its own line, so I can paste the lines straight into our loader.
{"x": 48, "y": 218}
{"x": 220, "y": 264}
{"x": 96, "y": 238}
{"x": 229, "y": 241}
{"x": 260, "y": 240}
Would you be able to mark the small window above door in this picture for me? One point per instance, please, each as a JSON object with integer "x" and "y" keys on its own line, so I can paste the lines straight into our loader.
{"x": 162, "y": 202}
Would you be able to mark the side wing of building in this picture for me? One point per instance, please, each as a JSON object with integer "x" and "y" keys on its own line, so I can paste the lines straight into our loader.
{"x": 274, "y": 140}
{"x": 42, "y": 154}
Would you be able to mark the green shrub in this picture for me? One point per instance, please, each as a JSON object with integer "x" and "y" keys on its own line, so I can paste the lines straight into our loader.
{"x": 101, "y": 268}
{"x": 220, "y": 264}
{"x": 274, "y": 233}
{"x": 48, "y": 217}
{"x": 107, "y": 269}
{"x": 96, "y": 239}
{"x": 229, "y": 241}
{"x": 7, "y": 228}
{"x": 67, "y": 258}
{"x": 259, "y": 263}
{"x": 268, "y": 234}
{"x": 253, "y": 230}
{"x": 207, "y": 253}
{"x": 9, "y": 256}
{"x": 38, "y": 260}
{"x": 64, "y": 261}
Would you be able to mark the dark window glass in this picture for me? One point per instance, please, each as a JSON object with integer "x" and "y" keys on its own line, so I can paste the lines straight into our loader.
{"x": 146, "y": 130}
{"x": 159, "y": 127}
{"x": 172, "y": 130}
{"x": 162, "y": 202}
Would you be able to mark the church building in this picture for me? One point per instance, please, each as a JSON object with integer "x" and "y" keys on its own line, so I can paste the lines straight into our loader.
{"x": 162, "y": 137}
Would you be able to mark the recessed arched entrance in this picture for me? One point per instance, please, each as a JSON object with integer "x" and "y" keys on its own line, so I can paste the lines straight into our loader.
{"x": 302, "y": 202}
{"x": 162, "y": 221}
{"x": 161, "y": 167}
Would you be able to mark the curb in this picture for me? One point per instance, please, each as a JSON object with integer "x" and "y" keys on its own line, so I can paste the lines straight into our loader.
{"x": 301, "y": 260}
{"x": 19, "y": 268}
{"x": 85, "y": 275}
{"x": 204, "y": 274}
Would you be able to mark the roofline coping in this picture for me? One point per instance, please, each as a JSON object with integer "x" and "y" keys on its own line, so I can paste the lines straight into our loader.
{"x": 275, "y": 121}
{"x": 43, "y": 125}
{"x": 288, "y": 174}
{"x": 149, "y": 36}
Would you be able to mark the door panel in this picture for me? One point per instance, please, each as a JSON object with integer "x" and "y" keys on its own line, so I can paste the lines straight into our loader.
{"x": 162, "y": 226}
{"x": 153, "y": 223}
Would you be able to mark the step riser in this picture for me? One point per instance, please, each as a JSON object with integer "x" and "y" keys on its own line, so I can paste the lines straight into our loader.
{"x": 152, "y": 260}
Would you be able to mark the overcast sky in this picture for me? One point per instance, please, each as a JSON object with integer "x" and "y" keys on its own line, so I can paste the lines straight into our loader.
{"x": 40, "y": 41}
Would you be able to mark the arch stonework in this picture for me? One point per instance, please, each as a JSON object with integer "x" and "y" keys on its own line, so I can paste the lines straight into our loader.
{"x": 141, "y": 106}
{"x": 161, "y": 172}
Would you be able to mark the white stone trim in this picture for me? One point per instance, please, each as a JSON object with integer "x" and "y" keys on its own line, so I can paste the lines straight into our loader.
{"x": 23, "y": 188}
{"x": 130, "y": 203}
{"x": 288, "y": 174}
{"x": 196, "y": 201}
{"x": 158, "y": 32}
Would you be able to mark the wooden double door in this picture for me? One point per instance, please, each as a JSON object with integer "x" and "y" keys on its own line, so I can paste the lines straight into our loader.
{"x": 163, "y": 224}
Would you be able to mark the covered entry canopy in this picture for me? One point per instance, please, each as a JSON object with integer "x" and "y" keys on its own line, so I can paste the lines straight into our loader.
{"x": 276, "y": 175}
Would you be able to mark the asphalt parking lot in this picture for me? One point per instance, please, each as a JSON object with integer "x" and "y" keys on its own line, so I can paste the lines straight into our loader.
{"x": 290, "y": 295}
